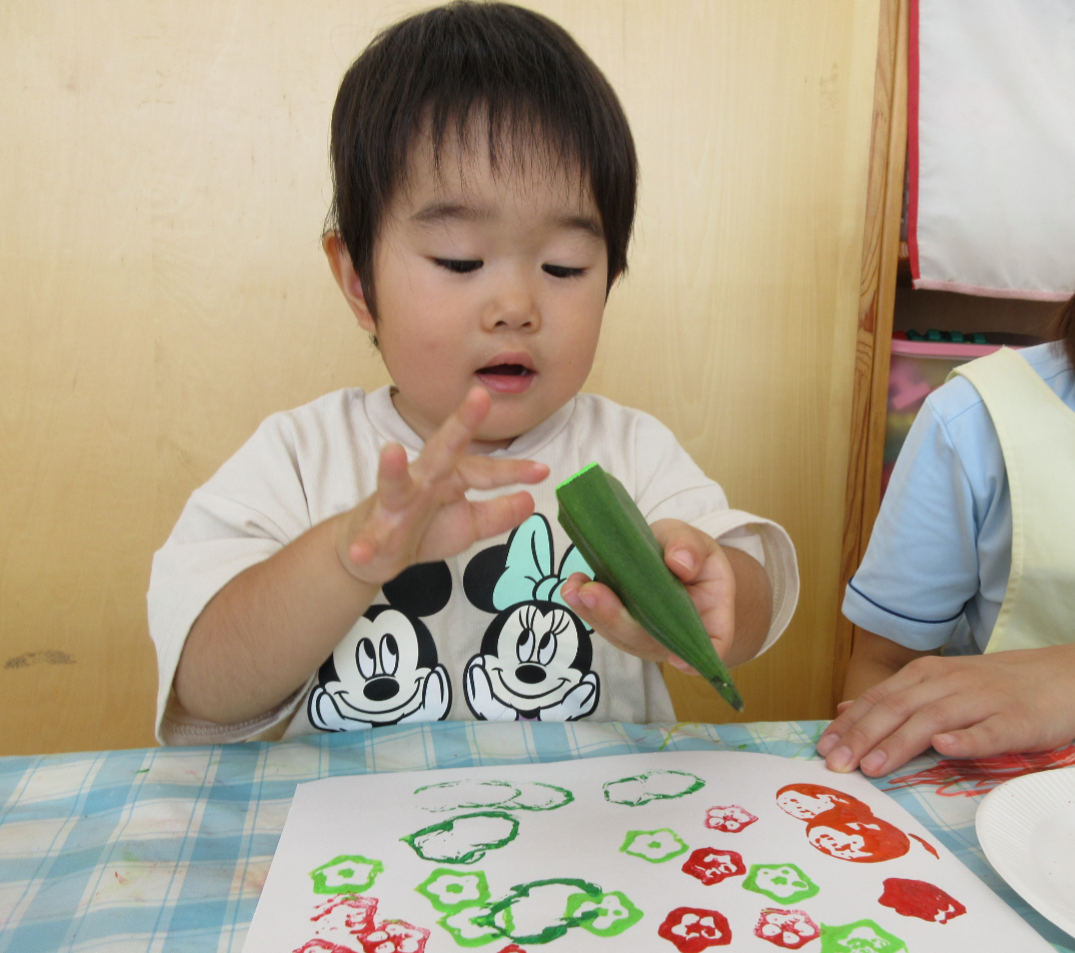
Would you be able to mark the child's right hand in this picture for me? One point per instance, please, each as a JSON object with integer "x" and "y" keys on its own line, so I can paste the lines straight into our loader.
{"x": 420, "y": 512}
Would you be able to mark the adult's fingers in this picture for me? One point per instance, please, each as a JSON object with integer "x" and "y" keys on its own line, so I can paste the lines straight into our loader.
{"x": 927, "y": 711}
{"x": 1001, "y": 732}
{"x": 850, "y": 713}
{"x": 872, "y": 720}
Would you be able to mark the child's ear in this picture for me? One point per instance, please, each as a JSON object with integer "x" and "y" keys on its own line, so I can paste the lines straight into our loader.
{"x": 339, "y": 260}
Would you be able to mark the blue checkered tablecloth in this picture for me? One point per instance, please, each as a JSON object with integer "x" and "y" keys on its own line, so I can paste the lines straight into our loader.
{"x": 166, "y": 849}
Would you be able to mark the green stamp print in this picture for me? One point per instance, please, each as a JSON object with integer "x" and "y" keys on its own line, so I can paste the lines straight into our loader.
{"x": 538, "y": 796}
{"x": 784, "y": 883}
{"x": 449, "y": 890}
{"x": 504, "y": 795}
{"x": 613, "y": 913}
{"x": 471, "y": 927}
{"x": 862, "y": 935}
{"x": 348, "y": 873}
{"x": 655, "y": 846}
{"x": 523, "y": 915}
{"x": 464, "y": 839}
{"x": 652, "y": 786}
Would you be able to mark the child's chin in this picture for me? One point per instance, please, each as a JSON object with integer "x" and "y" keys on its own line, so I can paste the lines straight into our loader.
{"x": 497, "y": 434}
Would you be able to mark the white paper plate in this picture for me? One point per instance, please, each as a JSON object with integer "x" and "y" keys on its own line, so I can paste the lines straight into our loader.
{"x": 1026, "y": 827}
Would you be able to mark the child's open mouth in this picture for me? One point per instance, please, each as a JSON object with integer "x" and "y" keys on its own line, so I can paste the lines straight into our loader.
{"x": 506, "y": 378}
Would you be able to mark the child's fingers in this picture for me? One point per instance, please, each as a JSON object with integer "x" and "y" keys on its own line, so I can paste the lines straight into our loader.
{"x": 600, "y": 607}
{"x": 394, "y": 484}
{"x": 699, "y": 562}
{"x": 485, "y": 473}
{"x": 445, "y": 448}
{"x": 685, "y": 548}
{"x": 498, "y": 515}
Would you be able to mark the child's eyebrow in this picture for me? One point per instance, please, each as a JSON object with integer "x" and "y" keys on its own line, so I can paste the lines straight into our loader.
{"x": 438, "y": 212}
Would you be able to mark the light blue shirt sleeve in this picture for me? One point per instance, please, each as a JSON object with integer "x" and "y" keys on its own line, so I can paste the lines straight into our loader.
{"x": 920, "y": 574}
{"x": 937, "y": 565}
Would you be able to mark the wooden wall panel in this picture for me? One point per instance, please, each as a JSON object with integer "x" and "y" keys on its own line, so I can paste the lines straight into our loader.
{"x": 162, "y": 289}
{"x": 880, "y": 263}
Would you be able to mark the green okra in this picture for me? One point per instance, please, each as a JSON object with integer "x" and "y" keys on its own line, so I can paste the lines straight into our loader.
{"x": 611, "y": 533}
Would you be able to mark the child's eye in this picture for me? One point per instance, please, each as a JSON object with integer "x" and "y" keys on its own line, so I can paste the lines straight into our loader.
{"x": 459, "y": 266}
{"x": 562, "y": 271}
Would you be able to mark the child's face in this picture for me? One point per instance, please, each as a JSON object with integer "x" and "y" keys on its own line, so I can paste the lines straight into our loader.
{"x": 497, "y": 280}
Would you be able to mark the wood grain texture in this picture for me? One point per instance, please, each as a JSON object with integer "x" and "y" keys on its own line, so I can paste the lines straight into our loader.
{"x": 880, "y": 265}
{"x": 737, "y": 322}
{"x": 162, "y": 290}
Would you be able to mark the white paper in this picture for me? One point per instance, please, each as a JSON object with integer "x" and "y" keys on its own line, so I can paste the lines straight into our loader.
{"x": 363, "y": 818}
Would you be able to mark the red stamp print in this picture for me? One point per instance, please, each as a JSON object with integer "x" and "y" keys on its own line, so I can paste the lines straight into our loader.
{"x": 916, "y": 898}
{"x": 394, "y": 936}
{"x": 731, "y": 819}
{"x": 790, "y": 929}
{"x": 805, "y": 801}
{"x": 340, "y": 921}
{"x": 348, "y": 911}
{"x": 864, "y": 839}
{"x": 711, "y": 866}
{"x": 842, "y": 826}
{"x": 692, "y": 930}
{"x": 323, "y": 946}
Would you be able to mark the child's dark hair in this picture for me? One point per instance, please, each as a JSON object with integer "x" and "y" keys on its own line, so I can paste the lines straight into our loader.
{"x": 493, "y": 66}
{"x": 1062, "y": 330}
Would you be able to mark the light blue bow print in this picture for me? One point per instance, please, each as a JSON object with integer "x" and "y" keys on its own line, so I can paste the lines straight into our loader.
{"x": 528, "y": 571}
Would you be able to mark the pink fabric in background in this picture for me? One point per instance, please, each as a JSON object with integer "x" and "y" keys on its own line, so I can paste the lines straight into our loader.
{"x": 992, "y": 147}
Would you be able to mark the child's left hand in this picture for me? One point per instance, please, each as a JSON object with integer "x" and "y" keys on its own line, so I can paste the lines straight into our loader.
{"x": 719, "y": 581}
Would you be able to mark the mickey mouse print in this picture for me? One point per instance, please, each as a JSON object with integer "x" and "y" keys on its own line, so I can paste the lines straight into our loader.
{"x": 534, "y": 655}
{"x": 385, "y": 671}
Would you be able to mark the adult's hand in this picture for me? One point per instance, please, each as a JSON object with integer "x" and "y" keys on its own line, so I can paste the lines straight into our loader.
{"x": 965, "y": 706}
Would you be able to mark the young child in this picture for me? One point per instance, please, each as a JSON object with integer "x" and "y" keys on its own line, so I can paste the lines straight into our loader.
{"x": 973, "y": 551}
{"x": 370, "y": 559}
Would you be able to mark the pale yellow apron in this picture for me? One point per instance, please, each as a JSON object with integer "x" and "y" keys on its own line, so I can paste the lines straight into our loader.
{"x": 1037, "y": 436}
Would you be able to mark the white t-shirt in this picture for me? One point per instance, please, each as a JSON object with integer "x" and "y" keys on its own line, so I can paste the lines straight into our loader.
{"x": 482, "y": 635}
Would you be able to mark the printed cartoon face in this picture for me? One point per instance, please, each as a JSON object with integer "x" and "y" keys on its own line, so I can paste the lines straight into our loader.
{"x": 804, "y": 801}
{"x": 533, "y": 659}
{"x": 847, "y": 836}
{"x": 381, "y": 667}
{"x": 836, "y": 842}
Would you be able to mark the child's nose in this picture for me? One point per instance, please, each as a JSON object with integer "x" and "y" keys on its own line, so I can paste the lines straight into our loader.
{"x": 513, "y": 306}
